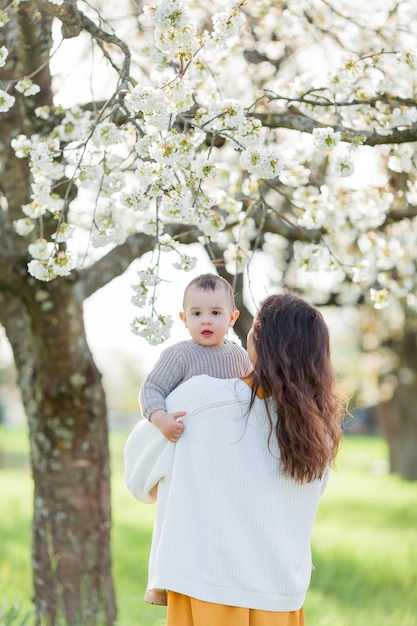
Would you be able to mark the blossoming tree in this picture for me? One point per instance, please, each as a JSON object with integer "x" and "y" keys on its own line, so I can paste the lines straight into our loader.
{"x": 247, "y": 127}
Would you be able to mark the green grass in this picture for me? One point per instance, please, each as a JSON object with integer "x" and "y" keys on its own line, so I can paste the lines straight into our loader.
{"x": 364, "y": 544}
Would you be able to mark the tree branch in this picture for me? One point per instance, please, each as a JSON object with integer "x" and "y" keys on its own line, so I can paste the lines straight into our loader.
{"x": 112, "y": 264}
{"x": 118, "y": 260}
{"x": 293, "y": 119}
{"x": 74, "y": 21}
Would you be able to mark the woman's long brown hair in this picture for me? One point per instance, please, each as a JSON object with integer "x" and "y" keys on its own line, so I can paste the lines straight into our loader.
{"x": 293, "y": 365}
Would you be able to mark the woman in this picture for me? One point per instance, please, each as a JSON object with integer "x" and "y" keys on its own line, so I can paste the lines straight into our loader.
{"x": 238, "y": 492}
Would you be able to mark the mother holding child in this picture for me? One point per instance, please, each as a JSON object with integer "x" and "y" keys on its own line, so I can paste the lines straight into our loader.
{"x": 238, "y": 484}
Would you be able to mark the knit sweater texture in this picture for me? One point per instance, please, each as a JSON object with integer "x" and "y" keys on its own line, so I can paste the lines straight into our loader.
{"x": 186, "y": 359}
{"x": 230, "y": 528}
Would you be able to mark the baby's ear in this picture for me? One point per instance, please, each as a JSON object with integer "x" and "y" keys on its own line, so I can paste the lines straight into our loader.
{"x": 233, "y": 317}
{"x": 182, "y": 317}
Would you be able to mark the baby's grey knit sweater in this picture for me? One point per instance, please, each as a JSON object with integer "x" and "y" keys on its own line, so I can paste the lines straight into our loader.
{"x": 185, "y": 360}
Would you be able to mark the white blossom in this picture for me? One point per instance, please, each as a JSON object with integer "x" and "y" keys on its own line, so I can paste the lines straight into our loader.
{"x": 349, "y": 71}
{"x": 75, "y": 125}
{"x": 263, "y": 162}
{"x": 179, "y": 93}
{"x": 22, "y": 146}
{"x": 233, "y": 114}
{"x": 248, "y": 132}
{"x": 142, "y": 146}
{"x": 41, "y": 270}
{"x": 41, "y": 192}
{"x": 64, "y": 232}
{"x": 211, "y": 223}
{"x": 108, "y": 232}
{"x": 154, "y": 178}
{"x": 362, "y": 272}
{"x": 236, "y": 258}
{"x": 149, "y": 100}
{"x": 43, "y": 112}
{"x": 167, "y": 242}
{"x": 343, "y": 165}
{"x": 3, "y": 56}
{"x": 106, "y": 134}
{"x": 149, "y": 277}
{"x": 41, "y": 249}
{"x": 312, "y": 257}
{"x": 61, "y": 263}
{"x": 227, "y": 203}
{"x": 141, "y": 296}
{"x": 26, "y": 87}
{"x": 326, "y": 138}
{"x": 168, "y": 14}
{"x": 389, "y": 253}
{"x": 152, "y": 227}
{"x": 312, "y": 218}
{"x": 6, "y": 101}
{"x": 4, "y": 18}
{"x": 135, "y": 199}
{"x": 411, "y": 193}
{"x": 385, "y": 253}
{"x": 55, "y": 205}
{"x": 111, "y": 181}
{"x": 177, "y": 204}
{"x": 161, "y": 104}
{"x": 191, "y": 130}
{"x": 88, "y": 175}
{"x": 154, "y": 330}
{"x": 380, "y": 298}
{"x": 185, "y": 263}
{"x": 226, "y": 24}
{"x": 408, "y": 58}
{"x": 23, "y": 226}
{"x": 34, "y": 210}
{"x": 177, "y": 36}
{"x": 401, "y": 158}
{"x": 368, "y": 208}
{"x": 172, "y": 149}
{"x": 43, "y": 152}
{"x": 145, "y": 289}
{"x": 205, "y": 169}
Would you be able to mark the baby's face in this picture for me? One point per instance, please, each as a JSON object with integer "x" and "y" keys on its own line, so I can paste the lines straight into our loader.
{"x": 208, "y": 315}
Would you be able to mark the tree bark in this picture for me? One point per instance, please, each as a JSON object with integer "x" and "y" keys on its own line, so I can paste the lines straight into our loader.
{"x": 66, "y": 410}
{"x": 398, "y": 417}
{"x": 61, "y": 387}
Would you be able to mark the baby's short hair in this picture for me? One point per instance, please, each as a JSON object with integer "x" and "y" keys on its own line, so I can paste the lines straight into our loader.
{"x": 211, "y": 282}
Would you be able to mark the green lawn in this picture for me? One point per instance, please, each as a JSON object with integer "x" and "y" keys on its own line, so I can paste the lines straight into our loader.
{"x": 364, "y": 545}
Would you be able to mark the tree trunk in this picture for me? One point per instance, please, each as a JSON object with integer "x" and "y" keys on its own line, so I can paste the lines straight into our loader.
{"x": 61, "y": 388}
{"x": 398, "y": 417}
{"x": 65, "y": 405}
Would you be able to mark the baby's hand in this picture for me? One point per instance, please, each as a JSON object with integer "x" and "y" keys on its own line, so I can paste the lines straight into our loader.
{"x": 168, "y": 423}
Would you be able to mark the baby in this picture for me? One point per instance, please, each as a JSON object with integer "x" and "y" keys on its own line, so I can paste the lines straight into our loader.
{"x": 209, "y": 311}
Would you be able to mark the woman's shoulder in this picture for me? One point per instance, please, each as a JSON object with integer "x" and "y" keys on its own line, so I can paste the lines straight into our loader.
{"x": 216, "y": 385}
{"x": 203, "y": 389}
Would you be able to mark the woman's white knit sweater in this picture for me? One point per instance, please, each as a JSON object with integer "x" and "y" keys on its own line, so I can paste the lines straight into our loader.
{"x": 230, "y": 527}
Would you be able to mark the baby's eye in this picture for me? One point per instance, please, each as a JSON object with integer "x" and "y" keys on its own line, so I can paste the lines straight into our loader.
{"x": 216, "y": 312}
{"x": 197, "y": 313}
